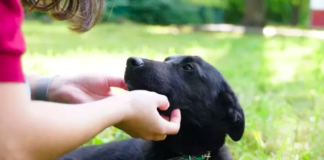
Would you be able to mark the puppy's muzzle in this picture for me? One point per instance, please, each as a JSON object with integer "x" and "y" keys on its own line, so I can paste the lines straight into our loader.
{"x": 134, "y": 62}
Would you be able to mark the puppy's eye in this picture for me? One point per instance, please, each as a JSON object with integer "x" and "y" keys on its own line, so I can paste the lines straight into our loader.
{"x": 187, "y": 67}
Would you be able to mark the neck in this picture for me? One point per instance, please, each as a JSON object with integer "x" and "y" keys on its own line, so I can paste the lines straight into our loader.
{"x": 194, "y": 141}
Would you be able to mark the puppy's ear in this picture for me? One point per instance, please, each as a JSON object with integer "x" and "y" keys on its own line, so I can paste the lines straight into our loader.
{"x": 234, "y": 114}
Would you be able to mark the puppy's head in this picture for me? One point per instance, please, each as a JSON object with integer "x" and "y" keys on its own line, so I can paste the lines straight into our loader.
{"x": 195, "y": 87}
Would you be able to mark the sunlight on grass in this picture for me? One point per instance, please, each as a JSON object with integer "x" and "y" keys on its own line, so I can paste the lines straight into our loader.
{"x": 278, "y": 80}
{"x": 285, "y": 62}
{"x": 161, "y": 30}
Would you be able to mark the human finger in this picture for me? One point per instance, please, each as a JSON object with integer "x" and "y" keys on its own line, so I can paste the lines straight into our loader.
{"x": 159, "y": 137}
{"x": 163, "y": 102}
{"x": 111, "y": 94}
{"x": 165, "y": 117}
{"x": 116, "y": 81}
{"x": 173, "y": 126}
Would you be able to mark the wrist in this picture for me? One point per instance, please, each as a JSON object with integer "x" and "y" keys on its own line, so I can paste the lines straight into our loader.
{"x": 122, "y": 105}
{"x": 41, "y": 91}
{"x": 38, "y": 86}
{"x": 59, "y": 90}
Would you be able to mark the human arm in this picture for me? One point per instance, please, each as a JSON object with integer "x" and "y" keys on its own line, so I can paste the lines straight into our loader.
{"x": 47, "y": 130}
{"x": 38, "y": 130}
{"x": 48, "y": 125}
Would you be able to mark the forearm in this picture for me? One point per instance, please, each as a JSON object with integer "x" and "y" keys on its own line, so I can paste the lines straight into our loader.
{"x": 45, "y": 130}
{"x": 32, "y": 81}
{"x": 61, "y": 128}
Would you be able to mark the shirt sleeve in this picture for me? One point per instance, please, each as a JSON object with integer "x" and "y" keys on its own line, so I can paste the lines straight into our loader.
{"x": 12, "y": 44}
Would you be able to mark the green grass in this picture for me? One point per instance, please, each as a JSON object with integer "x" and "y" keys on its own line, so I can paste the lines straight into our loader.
{"x": 279, "y": 81}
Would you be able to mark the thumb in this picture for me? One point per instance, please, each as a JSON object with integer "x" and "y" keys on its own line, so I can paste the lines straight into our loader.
{"x": 173, "y": 126}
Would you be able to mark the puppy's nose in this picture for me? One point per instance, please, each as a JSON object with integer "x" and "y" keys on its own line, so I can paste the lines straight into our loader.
{"x": 134, "y": 61}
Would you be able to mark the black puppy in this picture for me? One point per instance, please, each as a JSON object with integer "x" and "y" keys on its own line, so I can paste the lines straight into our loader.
{"x": 209, "y": 110}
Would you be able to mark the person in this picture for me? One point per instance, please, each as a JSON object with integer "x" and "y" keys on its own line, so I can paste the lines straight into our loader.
{"x": 62, "y": 113}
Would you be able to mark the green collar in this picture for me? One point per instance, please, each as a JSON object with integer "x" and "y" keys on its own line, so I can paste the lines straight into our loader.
{"x": 186, "y": 157}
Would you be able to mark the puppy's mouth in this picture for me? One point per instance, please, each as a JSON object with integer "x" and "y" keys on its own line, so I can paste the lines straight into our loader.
{"x": 137, "y": 85}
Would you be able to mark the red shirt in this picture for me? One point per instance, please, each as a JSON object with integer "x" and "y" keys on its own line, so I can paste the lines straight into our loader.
{"x": 12, "y": 43}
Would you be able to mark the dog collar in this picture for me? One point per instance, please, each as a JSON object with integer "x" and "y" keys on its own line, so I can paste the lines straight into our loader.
{"x": 187, "y": 157}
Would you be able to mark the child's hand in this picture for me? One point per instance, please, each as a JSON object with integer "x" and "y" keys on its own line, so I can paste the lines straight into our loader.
{"x": 142, "y": 119}
{"x": 83, "y": 88}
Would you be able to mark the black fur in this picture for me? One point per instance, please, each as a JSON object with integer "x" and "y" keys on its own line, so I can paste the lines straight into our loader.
{"x": 209, "y": 109}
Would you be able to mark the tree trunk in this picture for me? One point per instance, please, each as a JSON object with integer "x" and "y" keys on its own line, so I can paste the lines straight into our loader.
{"x": 254, "y": 13}
{"x": 295, "y": 8}
{"x": 294, "y": 15}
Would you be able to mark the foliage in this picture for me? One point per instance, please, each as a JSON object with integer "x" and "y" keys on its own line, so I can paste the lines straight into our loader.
{"x": 234, "y": 11}
{"x": 210, "y": 3}
{"x": 166, "y": 12}
{"x": 277, "y": 11}
{"x": 278, "y": 80}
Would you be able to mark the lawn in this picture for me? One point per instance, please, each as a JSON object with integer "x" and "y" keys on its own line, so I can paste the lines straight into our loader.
{"x": 278, "y": 80}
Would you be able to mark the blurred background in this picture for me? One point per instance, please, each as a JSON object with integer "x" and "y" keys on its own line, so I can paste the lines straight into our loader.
{"x": 270, "y": 51}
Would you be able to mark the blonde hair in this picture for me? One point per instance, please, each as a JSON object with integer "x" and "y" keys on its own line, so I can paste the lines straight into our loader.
{"x": 81, "y": 14}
